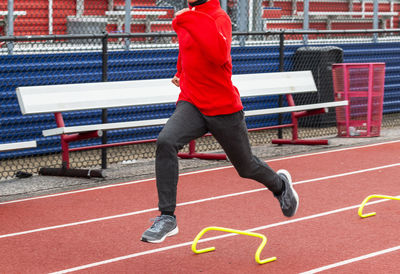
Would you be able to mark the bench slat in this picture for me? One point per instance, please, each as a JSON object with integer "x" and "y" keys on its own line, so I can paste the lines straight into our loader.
{"x": 107, "y": 126}
{"x": 274, "y": 83}
{"x": 73, "y": 97}
{"x": 295, "y": 108}
{"x": 17, "y": 145}
{"x": 60, "y": 98}
{"x": 158, "y": 122}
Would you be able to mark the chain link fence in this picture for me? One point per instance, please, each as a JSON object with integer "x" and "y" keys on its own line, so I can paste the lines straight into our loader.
{"x": 45, "y": 60}
{"x": 88, "y": 43}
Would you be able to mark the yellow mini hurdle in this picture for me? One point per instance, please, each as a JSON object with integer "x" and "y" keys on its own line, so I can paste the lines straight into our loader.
{"x": 258, "y": 252}
{"x": 360, "y": 209}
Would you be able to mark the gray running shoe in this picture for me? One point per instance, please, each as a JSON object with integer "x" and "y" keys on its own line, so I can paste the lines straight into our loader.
{"x": 162, "y": 227}
{"x": 289, "y": 199}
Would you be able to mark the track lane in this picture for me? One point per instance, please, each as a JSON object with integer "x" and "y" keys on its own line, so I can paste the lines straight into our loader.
{"x": 382, "y": 261}
{"x": 306, "y": 244}
{"x": 142, "y": 196}
{"x": 105, "y": 240}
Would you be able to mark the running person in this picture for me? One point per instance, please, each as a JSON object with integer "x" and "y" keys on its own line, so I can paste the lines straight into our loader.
{"x": 208, "y": 102}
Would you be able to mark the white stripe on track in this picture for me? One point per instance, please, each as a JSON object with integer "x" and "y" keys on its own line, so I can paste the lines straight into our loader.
{"x": 125, "y": 214}
{"x": 152, "y": 251}
{"x": 187, "y": 203}
{"x": 347, "y": 173}
{"x": 193, "y": 172}
{"x": 349, "y": 261}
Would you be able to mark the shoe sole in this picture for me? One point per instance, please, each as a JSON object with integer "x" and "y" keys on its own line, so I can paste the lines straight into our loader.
{"x": 171, "y": 233}
{"x": 296, "y": 196}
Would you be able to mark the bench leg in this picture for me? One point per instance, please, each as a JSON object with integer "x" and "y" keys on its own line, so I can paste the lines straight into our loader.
{"x": 65, "y": 152}
{"x": 206, "y": 156}
{"x": 71, "y": 172}
{"x": 67, "y": 138}
{"x": 299, "y": 142}
{"x": 65, "y": 169}
{"x": 295, "y": 137}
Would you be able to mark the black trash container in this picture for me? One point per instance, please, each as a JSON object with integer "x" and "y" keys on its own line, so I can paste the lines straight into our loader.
{"x": 319, "y": 60}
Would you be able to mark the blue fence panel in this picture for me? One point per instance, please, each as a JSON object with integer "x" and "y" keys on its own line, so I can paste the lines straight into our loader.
{"x": 45, "y": 69}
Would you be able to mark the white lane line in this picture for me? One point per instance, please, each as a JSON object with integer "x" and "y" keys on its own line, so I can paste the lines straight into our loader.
{"x": 333, "y": 151}
{"x": 186, "y": 203}
{"x": 349, "y": 261}
{"x": 105, "y": 187}
{"x": 152, "y": 251}
{"x": 126, "y": 214}
{"x": 192, "y": 173}
{"x": 347, "y": 173}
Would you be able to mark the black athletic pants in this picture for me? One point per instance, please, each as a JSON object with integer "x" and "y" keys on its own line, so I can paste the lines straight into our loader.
{"x": 186, "y": 124}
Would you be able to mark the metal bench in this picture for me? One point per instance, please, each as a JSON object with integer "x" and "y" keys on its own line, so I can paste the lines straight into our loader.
{"x": 17, "y": 145}
{"x": 75, "y": 97}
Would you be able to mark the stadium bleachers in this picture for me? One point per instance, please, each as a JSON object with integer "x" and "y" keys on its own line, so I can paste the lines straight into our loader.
{"x": 36, "y": 20}
{"x": 142, "y": 22}
{"x": 277, "y": 14}
{"x": 288, "y": 14}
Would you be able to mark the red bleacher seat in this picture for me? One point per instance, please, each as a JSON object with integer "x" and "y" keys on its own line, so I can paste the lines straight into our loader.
{"x": 272, "y": 12}
{"x": 285, "y": 6}
{"x": 136, "y": 3}
{"x": 327, "y": 6}
{"x": 95, "y": 7}
{"x": 161, "y": 26}
{"x": 349, "y": 25}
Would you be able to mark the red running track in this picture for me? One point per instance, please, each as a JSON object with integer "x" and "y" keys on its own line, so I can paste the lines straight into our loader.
{"x": 98, "y": 230}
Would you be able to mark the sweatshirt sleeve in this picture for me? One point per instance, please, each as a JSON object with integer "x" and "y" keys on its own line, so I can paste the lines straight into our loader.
{"x": 213, "y": 40}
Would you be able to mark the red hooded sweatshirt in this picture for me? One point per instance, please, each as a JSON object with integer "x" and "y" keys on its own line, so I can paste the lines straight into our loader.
{"x": 204, "y": 63}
